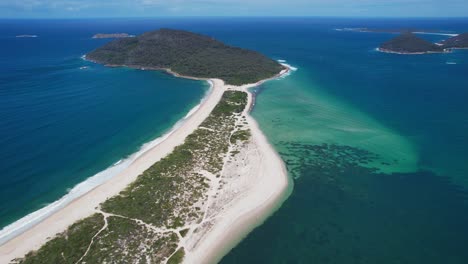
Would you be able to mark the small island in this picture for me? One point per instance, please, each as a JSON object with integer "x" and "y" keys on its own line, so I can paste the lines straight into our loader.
{"x": 188, "y": 54}
{"x": 112, "y": 35}
{"x": 409, "y": 43}
{"x": 457, "y": 42}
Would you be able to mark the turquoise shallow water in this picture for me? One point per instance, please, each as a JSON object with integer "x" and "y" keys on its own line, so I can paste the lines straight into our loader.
{"x": 376, "y": 142}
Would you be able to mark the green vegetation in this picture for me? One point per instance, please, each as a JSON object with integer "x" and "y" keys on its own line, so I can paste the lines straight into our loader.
{"x": 69, "y": 246}
{"x": 177, "y": 257}
{"x": 410, "y": 43}
{"x": 184, "y": 232}
{"x": 241, "y": 135}
{"x": 457, "y": 42}
{"x": 146, "y": 220}
{"x": 188, "y": 54}
{"x": 124, "y": 241}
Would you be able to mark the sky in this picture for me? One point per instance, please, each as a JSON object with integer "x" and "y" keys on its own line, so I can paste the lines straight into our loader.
{"x": 163, "y": 8}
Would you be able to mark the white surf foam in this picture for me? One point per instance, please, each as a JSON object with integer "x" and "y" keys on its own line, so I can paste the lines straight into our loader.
{"x": 191, "y": 112}
{"x": 435, "y": 33}
{"x": 292, "y": 68}
{"x": 28, "y": 221}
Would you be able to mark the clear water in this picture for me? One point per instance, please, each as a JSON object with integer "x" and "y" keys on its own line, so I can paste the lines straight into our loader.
{"x": 63, "y": 119}
{"x": 376, "y": 142}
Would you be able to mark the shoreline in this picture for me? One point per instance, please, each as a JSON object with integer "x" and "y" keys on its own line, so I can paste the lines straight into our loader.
{"x": 270, "y": 192}
{"x": 37, "y": 234}
{"x": 28, "y": 221}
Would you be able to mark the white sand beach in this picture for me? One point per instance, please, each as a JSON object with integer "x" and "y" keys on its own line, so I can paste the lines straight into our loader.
{"x": 256, "y": 184}
{"x": 259, "y": 186}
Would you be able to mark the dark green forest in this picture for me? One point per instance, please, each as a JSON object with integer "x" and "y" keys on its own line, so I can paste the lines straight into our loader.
{"x": 409, "y": 43}
{"x": 188, "y": 54}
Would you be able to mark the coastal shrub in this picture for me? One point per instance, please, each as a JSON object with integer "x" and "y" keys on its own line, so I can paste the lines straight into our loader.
{"x": 184, "y": 232}
{"x": 241, "y": 135}
{"x": 126, "y": 241}
{"x": 69, "y": 246}
{"x": 177, "y": 257}
{"x": 164, "y": 196}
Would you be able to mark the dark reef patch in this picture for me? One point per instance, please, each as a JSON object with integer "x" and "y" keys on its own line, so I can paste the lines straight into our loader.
{"x": 342, "y": 211}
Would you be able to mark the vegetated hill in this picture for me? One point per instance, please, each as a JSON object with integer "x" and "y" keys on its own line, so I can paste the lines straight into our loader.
{"x": 188, "y": 54}
{"x": 408, "y": 43}
{"x": 460, "y": 41}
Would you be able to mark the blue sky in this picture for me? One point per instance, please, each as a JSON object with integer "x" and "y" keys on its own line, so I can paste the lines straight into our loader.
{"x": 158, "y": 8}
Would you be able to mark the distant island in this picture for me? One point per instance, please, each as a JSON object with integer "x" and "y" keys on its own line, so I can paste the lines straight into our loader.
{"x": 112, "y": 35}
{"x": 26, "y": 36}
{"x": 397, "y": 30}
{"x": 409, "y": 43}
{"x": 189, "y": 54}
{"x": 457, "y": 42}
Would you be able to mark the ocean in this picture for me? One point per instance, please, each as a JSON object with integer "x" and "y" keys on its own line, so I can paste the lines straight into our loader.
{"x": 66, "y": 124}
{"x": 375, "y": 143}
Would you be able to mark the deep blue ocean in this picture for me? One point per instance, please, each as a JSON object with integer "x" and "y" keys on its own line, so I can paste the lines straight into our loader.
{"x": 63, "y": 119}
{"x": 376, "y": 143}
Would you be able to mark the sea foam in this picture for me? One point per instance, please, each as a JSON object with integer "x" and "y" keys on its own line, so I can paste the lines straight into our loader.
{"x": 292, "y": 68}
{"x": 14, "y": 229}
{"x": 435, "y": 33}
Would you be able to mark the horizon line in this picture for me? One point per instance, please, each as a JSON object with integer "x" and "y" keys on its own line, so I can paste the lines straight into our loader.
{"x": 214, "y": 16}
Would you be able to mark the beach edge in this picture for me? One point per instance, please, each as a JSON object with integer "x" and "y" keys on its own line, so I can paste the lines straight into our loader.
{"x": 37, "y": 235}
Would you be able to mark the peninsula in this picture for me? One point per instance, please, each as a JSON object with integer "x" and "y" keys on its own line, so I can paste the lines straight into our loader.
{"x": 409, "y": 43}
{"x": 457, "y": 42}
{"x": 112, "y": 35}
{"x": 193, "y": 196}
